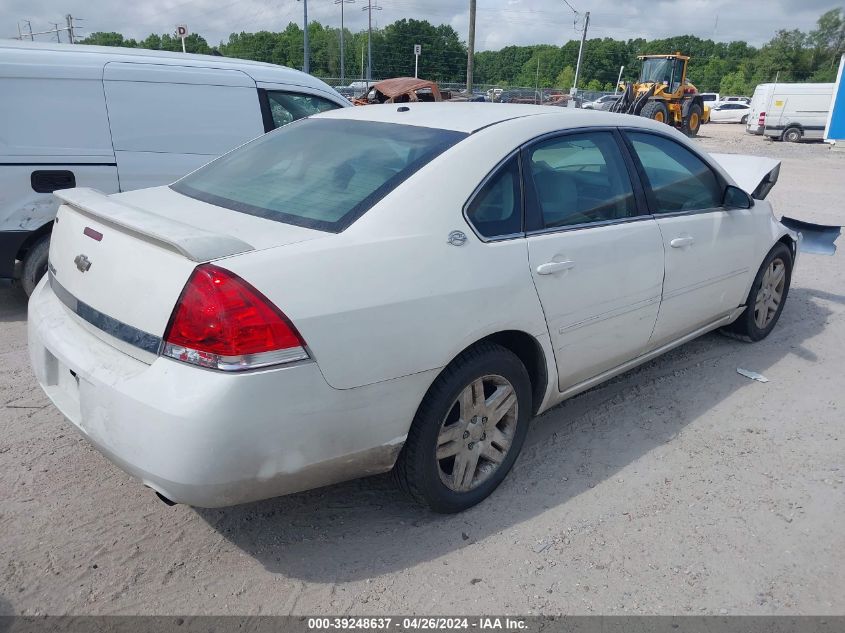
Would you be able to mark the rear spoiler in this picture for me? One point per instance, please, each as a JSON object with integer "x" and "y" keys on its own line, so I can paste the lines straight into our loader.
{"x": 754, "y": 174}
{"x": 192, "y": 242}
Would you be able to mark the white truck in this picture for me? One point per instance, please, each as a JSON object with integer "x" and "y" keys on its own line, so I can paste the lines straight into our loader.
{"x": 116, "y": 119}
{"x": 790, "y": 112}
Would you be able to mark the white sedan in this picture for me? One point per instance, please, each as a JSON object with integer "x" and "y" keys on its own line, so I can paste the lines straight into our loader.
{"x": 392, "y": 287}
{"x": 730, "y": 112}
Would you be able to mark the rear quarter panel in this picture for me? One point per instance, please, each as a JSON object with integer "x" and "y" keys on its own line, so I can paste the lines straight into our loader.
{"x": 390, "y": 296}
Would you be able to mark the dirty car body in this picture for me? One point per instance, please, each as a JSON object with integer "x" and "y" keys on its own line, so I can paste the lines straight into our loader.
{"x": 260, "y": 328}
{"x": 401, "y": 90}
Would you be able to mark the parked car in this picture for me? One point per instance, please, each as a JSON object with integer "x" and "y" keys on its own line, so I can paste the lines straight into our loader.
{"x": 402, "y": 90}
{"x": 790, "y": 112}
{"x": 735, "y": 98}
{"x": 118, "y": 119}
{"x": 391, "y": 287}
{"x": 730, "y": 112}
{"x": 602, "y": 103}
{"x": 494, "y": 95}
{"x": 709, "y": 98}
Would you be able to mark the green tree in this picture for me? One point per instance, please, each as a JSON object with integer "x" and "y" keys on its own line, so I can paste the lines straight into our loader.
{"x": 565, "y": 78}
{"x": 101, "y": 38}
{"x": 735, "y": 83}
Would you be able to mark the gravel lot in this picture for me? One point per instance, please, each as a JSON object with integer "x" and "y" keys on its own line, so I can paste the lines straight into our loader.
{"x": 680, "y": 487}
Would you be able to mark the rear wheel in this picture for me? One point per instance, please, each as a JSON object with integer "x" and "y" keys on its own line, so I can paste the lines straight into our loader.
{"x": 744, "y": 119}
{"x": 655, "y": 110}
{"x": 792, "y": 134}
{"x": 468, "y": 430}
{"x": 767, "y": 296}
{"x": 692, "y": 122}
{"x": 35, "y": 264}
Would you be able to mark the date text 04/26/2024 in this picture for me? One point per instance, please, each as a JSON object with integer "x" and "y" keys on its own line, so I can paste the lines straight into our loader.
{"x": 416, "y": 624}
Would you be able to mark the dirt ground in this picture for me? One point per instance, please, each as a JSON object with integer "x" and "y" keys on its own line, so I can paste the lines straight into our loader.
{"x": 678, "y": 488}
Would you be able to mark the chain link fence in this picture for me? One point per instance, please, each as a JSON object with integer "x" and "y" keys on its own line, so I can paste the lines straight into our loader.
{"x": 353, "y": 87}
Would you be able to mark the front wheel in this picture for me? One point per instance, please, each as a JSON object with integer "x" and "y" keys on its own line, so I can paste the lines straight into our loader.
{"x": 468, "y": 430}
{"x": 767, "y": 296}
{"x": 655, "y": 110}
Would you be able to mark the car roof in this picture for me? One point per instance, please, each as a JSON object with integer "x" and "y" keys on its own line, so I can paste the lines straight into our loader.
{"x": 469, "y": 117}
{"x": 85, "y": 56}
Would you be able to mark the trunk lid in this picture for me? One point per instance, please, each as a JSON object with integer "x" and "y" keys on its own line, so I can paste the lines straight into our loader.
{"x": 120, "y": 262}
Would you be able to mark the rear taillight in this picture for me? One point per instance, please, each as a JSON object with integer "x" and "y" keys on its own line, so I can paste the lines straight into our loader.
{"x": 761, "y": 121}
{"x": 222, "y": 322}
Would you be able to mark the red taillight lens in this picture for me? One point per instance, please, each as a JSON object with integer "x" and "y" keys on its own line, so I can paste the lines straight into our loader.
{"x": 761, "y": 120}
{"x": 221, "y": 321}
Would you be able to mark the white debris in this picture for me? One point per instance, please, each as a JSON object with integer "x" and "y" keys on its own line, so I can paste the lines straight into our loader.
{"x": 751, "y": 374}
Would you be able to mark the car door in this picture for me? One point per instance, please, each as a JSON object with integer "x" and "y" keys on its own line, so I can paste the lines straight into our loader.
{"x": 595, "y": 258}
{"x": 705, "y": 244}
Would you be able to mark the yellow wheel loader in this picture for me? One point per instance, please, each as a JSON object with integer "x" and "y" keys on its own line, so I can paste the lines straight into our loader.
{"x": 663, "y": 93}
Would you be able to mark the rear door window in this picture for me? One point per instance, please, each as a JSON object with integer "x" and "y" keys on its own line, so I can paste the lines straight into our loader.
{"x": 320, "y": 173}
{"x": 580, "y": 179}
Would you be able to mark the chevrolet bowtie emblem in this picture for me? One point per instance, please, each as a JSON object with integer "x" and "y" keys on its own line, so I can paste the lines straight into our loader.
{"x": 82, "y": 263}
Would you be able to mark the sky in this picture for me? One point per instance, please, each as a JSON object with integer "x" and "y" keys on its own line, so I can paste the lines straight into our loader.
{"x": 499, "y": 22}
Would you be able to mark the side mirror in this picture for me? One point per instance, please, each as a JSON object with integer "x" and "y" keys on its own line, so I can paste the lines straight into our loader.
{"x": 736, "y": 198}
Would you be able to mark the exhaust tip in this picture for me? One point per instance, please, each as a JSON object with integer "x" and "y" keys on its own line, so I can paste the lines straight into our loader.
{"x": 164, "y": 499}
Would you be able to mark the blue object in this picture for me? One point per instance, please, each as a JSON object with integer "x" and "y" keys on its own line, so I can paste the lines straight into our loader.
{"x": 836, "y": 123}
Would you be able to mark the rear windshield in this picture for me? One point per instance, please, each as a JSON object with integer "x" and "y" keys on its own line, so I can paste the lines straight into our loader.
{"x": 317, "y": 173}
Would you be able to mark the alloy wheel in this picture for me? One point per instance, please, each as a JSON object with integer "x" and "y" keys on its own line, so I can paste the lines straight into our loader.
{"x": 770, "y": 294}
{"x": 477, "y": 433}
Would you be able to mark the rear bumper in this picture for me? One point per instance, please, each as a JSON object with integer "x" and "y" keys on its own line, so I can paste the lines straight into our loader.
{"x": 211, "y": 439}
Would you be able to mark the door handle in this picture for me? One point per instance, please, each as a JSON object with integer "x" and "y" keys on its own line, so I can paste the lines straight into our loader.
{"x": 554, "y": 267}
{"x": 680, "y": 242}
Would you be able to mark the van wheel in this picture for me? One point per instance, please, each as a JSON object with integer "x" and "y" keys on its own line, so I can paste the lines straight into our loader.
{"x": 468, "y": 430}
{"x": 792, "y": 135}
{"x": 767, "y": 297}
{"x": 35, "y": 264}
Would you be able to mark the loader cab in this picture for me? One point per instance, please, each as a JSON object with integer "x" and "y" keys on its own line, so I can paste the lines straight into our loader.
{"x": 667, "y": 70}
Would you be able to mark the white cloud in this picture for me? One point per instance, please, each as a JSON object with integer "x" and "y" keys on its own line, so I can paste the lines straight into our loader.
{"x": 499, "y": 22}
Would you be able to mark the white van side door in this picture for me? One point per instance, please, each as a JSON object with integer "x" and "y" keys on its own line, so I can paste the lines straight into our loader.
{"x": 168, "y": 120}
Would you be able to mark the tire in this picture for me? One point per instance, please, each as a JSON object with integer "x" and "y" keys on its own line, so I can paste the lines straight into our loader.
{"x": 440, "y": 427}
{"x": 692, "y": 122}
{"x": 749, "y": 326}
{"x": 35, "y": 264}
{"x": 744, "y": 120}
{"x": 655, "y": 110}
{"x": 792, "y": 135}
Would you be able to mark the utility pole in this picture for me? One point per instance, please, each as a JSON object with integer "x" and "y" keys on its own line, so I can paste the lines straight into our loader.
{"x": 58, "y": 38}
{"x": 471, "y": 47}
{"x": 580, "y": 53}
{"x": 69, "y": 19}
{"x": 342, "y": 58}
{"x": 29, "y": 26}
{"x": 369, "y": 9}
{"x": 306, "y": 67}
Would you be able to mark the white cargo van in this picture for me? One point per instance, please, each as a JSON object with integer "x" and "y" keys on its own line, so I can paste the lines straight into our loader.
{"x": 117, "y": 119}
{"x": 790, "y": 112}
